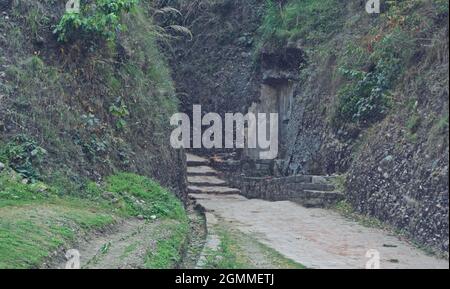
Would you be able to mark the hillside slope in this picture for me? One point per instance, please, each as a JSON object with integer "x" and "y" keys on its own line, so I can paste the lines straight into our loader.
{"x": 80, "y": 103}
{"x": 90, "y": 106}
{"x": 372, "y": 104}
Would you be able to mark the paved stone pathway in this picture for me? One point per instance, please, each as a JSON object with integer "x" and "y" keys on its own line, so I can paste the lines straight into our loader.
{"x": 316, "y": 238}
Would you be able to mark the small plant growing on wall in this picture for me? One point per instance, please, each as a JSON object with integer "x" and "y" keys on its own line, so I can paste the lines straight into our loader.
{"x": 120, "y": 111}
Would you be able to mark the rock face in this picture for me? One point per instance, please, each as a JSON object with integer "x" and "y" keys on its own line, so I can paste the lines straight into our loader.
{"x": 5, "y": 5}
{"x": 408, "y": 188}
{"x": 395, "y": 173}
{"x": 215, "y": 69}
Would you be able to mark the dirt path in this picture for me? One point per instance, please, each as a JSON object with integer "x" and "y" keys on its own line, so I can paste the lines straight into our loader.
{"x": 316, "y": 238}
{"x": 123, "y": 248}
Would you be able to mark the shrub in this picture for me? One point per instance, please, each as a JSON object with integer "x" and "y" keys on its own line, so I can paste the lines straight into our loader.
{"x": 102, "y": 18}
{"x": 307, "y": 19}
{"x": 365, "y": 99}
{"x": 23, "y": 155}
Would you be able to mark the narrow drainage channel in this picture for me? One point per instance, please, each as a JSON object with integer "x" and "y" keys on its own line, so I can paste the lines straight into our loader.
{"x": 197, "y": 238}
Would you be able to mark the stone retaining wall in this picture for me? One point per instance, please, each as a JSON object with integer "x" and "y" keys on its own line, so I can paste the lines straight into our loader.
{"x": 306, "y": 190}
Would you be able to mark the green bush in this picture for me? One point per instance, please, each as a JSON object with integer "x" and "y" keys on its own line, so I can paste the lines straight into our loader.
{"x": 102, "y": 19}
{"x": 23, "y": 155}
{"x": 365, "y": 98}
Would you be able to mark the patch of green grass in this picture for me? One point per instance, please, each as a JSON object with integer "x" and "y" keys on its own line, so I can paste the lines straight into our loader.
{"x": 30, "y": 233}
{"x": 314, "y": 21}
{"x": 35, "y": 220}
{"x": 233, "y": 253}
{"x": 143, "y": 196}
{"x": 14, "y": 192}
{"x": 169, "y": 249}
{"x": 128, "y": 250}
{"x": 227, "y": 256}
{"x": 279, "y": 260}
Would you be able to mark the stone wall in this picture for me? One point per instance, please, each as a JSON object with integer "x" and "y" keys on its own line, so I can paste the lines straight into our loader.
{"x": 310, "y": 191}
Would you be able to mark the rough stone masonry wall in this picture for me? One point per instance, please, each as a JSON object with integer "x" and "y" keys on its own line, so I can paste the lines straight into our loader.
{"x": 299, "y": 189}
{"x": 215, "y": 68}
{"x": 271, "y": 189}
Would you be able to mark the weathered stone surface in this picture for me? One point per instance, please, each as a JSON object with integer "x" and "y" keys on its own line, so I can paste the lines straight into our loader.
{"x": 205, "y": 181}
{"x": 193, "y": 160}
{"x": 212, "y": 190}
{"x": 317, "y": 199}
{"x": 316, "y": 238}
{"x": 202, "y": 171}
{"x": 301, "y": 189}
{"x": 5, "y": 5}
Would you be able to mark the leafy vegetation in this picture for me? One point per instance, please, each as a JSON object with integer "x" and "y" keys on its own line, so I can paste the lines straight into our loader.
{"x": 90, "y": 109}
{"x": 371, "y": 75}
{"x": 23, "y": 154}
{"x": 309, "y": 20}
{"x": 97, "y": 19}
{"x": 137, "y": 195}
{"x": 120, "y": 112}
{"x": 169, "y": 250}
{"x": 370, "y": 66}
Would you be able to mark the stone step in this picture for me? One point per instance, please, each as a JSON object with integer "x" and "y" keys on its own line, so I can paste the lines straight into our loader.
{"x": 211, "y": 197}
{"x": 193, "y": 160}
{"x": 323, "y": 179}
{"x": 317, "y": 199}
{"x": 218, "y": 190}
{"x": 205, "y": 181}
{"x": 201, "y": 171}
{"x": 315, "y": 187}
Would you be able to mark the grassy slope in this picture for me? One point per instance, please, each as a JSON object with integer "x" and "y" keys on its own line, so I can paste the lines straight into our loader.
{"x": 65, "y": 97}
{"x": 56, "y": 100}
{"x": 35, "y": 221}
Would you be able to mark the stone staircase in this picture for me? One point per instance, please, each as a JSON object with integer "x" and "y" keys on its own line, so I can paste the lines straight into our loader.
{"x": 203, "y": 179}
